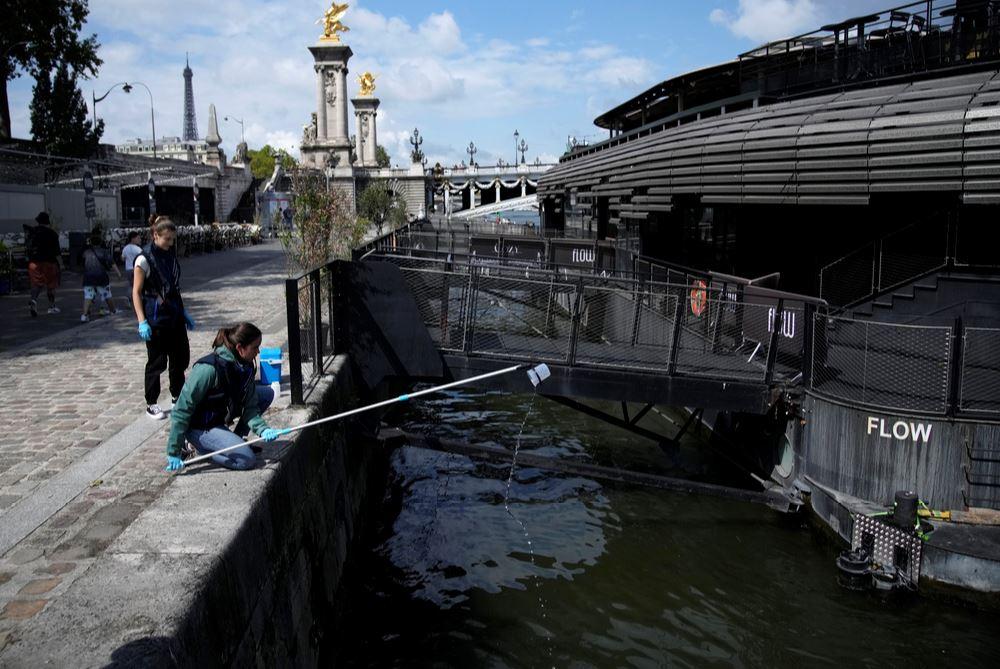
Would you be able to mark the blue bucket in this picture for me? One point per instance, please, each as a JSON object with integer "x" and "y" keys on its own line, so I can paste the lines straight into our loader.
{"x": 270, "y": 365}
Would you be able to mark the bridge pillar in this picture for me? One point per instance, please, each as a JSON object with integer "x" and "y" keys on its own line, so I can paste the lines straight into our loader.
{"x": 524, "y": 187}
{"x": 497, "y": 186}
{"x": 365, "y": 111}
{"x": 472, "y": 194}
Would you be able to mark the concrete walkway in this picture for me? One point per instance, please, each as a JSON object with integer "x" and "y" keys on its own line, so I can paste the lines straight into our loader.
{"x": 79, "y": 461}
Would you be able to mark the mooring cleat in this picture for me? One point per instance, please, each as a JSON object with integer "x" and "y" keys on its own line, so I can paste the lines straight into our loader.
{"x": 538, "y": 374}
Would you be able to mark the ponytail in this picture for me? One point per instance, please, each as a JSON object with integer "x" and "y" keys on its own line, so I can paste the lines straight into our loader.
{"x": 241, "y": 334}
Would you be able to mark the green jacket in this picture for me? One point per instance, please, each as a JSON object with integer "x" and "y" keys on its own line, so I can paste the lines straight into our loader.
{"x": 201, "y": 380}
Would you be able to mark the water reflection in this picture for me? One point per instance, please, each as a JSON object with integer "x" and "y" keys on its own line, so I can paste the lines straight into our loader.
{"x": 628, "y": 576}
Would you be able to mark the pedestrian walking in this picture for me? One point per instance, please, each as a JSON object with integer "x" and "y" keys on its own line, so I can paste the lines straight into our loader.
{"x": 159, "y": 307}
{"x": 96, "y": 282}
{"x": 42, "y": 249}
{"x": 220, "y": 390}
{"x": 129, "y": 254}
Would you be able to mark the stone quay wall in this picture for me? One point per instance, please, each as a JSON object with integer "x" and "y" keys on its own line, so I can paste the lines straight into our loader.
{"x": 228, "y": 568}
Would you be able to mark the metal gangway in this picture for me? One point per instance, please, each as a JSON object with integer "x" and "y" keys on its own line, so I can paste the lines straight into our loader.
{"x": 714, "y": 341}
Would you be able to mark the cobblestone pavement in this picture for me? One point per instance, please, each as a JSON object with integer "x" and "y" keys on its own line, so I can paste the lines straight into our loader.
{"x": 17, "y": 328}
{"x": 64, "y": 397}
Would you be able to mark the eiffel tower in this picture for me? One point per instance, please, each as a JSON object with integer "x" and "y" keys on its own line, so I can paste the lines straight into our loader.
{"x": 190, "y": 125}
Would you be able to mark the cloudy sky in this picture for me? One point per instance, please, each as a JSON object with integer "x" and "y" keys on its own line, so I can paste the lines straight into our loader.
{"x": 459, "y": 71}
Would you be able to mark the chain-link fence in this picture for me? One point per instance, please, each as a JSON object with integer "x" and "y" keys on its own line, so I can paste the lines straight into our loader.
{"x": 627, "y": 328}
{"x": 521, "y": 318}
{"x": 885, "y": 365}
{"x": 980, "y": 387}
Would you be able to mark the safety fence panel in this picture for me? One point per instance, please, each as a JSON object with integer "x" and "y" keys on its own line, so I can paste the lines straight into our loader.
{"x": 980, "y": 388}
{"x": 625, "y": 328}
{"x": 519, "y": 318}
{"x": 712, "y": 343}
{"x": 442, "y": 298}
{"x": 886, "y": 365}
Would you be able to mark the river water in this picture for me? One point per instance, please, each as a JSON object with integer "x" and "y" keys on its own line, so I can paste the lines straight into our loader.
{"x": 617, "y": 576}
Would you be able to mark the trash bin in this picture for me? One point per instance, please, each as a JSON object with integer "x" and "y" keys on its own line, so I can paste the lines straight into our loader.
{"x": 270, "y": 365}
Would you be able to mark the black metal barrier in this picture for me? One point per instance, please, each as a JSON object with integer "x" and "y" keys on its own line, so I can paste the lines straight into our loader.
{"x": 315, "y": 332}
{"x": 720, "y": 328}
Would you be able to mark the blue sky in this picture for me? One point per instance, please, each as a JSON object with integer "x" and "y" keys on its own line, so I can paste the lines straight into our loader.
{"x": 459, "y": 71}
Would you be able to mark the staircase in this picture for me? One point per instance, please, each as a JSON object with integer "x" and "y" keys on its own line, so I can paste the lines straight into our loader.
{"x": 938, "y": 299}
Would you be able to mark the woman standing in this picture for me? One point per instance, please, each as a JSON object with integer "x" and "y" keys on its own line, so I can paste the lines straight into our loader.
{"x": 156, "y": 297}
{"x": 219, "y": 390}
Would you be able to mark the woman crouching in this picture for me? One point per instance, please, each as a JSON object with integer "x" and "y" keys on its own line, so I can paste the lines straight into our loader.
{"x": 219, "y": 389}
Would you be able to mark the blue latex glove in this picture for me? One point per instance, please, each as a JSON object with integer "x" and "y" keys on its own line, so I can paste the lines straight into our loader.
{"x": 188, "y": 320}
{"x": 270, "y": 434}
{"x": 145, "y": 332}
{"x": 174, "y": 464}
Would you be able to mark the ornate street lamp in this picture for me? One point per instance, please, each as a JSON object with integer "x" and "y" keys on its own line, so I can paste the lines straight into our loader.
{"x": 472, "y": 151}
{"x": 516, "y": 136}
{"x": 523, "y": 148}
{"x": 415, "y": 141}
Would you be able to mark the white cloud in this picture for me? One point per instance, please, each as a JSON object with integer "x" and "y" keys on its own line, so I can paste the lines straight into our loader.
{"x": 767, "y": 20}
{"x": 764, "y": 20}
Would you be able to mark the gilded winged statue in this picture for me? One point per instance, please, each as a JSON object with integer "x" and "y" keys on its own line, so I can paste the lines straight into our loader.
{"x": 331, "y": 23}
{"x": 367, "y": 83}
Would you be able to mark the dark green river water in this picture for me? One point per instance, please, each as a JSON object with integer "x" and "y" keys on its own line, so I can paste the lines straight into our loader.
{"x": 620, "y": 576}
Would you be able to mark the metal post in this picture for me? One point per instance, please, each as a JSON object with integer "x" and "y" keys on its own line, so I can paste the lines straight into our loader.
{"x": 954, "y": 399}
{"x": 675, "y": 343}
{"x": 808, "y": 345}
{"x": 772, "y": 344}
{"x": 332, "y": 329}
{"x": 316, "y": 307}
{"x": 577, "y": 316}
{"x": 341, "y": 306}
{"x": 294, "y": 345}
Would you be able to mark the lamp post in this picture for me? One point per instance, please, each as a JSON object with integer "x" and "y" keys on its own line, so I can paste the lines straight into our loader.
{"x": 243, "y": 137}
{"x": 517, "y": 136}
{"x": 95, "y": 99}
{"x": 152, "y": 113}
{"x": 523, "y": 149}
{"x": 472, "y": 151}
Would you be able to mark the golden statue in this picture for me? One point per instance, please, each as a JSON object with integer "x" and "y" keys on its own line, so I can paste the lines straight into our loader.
{"x": 367, "y": 83}
{"x": 331, "y": 23}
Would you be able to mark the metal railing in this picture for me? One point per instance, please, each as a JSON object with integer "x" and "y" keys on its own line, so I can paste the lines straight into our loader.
{"x": 888, "y": 263}
{"x": 315, "y": 332}
{"x": 597, "y": 321}
{"x": 695, "y": 324}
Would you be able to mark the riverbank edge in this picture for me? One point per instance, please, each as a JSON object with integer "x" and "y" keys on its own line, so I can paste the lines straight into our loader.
{"x": 227, "y": 568}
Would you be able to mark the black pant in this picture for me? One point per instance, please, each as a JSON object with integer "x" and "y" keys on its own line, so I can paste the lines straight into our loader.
{"x": 169, "y": 343}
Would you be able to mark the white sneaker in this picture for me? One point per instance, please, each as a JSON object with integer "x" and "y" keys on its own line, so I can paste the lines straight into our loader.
{"x": 154, "y": 412}
{"x": 83, "y": 318}
{"x": 54, "y": 310}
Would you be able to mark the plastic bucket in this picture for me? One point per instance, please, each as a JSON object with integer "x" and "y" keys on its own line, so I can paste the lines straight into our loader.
{"x": 270, "y": 365}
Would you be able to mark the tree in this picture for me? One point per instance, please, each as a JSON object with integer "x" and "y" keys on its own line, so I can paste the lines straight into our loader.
{"x": 59, "y": 116}
{"x": 38, "y": 37}
{"x": 323, "y": 227}
{"x": 262, "y": 160}
{"x": 379, "y": 204}
{"x": 382, "y": 156}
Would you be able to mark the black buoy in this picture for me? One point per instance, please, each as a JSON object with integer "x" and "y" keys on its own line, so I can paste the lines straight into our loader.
{"x": 855, "y": 569}
{"x": 904, "y": 513}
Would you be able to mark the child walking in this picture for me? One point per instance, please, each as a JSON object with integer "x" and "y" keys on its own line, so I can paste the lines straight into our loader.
{"x": 131, "y": 251}
{"x": 96, "y": 282}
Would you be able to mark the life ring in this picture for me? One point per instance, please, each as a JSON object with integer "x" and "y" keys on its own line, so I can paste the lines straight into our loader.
{"x": 699, "y": 297}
